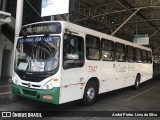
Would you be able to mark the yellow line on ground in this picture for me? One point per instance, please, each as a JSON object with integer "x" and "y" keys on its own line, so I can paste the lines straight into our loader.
{"x": 5, "y": 86}
{"x": 139, "y": 94}
{"x": 4, "y": 93}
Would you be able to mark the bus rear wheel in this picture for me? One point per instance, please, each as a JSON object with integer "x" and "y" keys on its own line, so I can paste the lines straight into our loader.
{"x": 137, "y": 82}
{"x": 90, "y": 93}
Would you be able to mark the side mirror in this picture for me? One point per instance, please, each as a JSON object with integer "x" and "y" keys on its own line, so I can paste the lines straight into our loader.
{"x": 66, "y": 36}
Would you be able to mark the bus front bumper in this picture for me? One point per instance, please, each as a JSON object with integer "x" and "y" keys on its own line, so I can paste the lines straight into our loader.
{"x": 49, "y": 96}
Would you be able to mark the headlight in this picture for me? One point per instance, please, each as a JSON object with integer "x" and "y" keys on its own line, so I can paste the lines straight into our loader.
{"x": 50, "y": 84}
{"x": 14, "y": 79}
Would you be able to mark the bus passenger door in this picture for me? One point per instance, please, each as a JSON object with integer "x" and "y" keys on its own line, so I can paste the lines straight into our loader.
{"x": 73, "y": 68}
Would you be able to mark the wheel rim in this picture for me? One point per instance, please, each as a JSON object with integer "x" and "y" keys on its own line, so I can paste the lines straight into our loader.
{"x": 90, "y": 93}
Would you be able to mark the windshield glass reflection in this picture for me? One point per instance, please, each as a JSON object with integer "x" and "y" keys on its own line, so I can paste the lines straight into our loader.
{"x": 37, "y": 54}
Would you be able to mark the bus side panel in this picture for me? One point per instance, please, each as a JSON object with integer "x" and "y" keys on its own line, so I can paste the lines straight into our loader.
{"x": 71, "y": 93}
{"x": 146, "y": 72}
{"x": 121, "y": 74}
{"x": 143, "y": 69}
{"x": 150, "y": 71}
{"x": 107, "y": 79}
{"x": 113, "y": 76}
{"x": 133, "y": 70}
{"x": 72, "y": 84}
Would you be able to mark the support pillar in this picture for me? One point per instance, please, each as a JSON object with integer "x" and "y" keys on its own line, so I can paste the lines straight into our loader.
{"x": 0, "y": 4}
{"x": 5, "y": 5}
{"x": 18, "y": 26}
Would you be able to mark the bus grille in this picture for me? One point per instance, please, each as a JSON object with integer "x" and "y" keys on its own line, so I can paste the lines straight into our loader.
{"x": 27, "y": 92}
{"x": 32, "y": 78}
{"x": 32, "y": 85}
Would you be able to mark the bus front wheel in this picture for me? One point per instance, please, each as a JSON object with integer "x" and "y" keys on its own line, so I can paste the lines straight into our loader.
{"x": 90, "y": 93}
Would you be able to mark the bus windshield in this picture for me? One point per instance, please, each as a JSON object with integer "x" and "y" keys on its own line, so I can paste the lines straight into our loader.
{"x": 37, "y": 54}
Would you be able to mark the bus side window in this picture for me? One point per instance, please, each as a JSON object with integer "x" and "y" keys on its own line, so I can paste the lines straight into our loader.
{"x": 130, "y": 54}
{"x": 73, "y": 52}
{"x": 144, "y": 56}
{"x": 107, "y": 49}
{"x": 149, "y": 57}
{"x": 92, "y": 47}
{"x": 138, "y": 55}
{"x": 120, "y": 52}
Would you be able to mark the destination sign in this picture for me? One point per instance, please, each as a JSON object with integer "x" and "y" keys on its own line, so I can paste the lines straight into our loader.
{"x": 41, "y": 28}
{"x": 39, "y": 39}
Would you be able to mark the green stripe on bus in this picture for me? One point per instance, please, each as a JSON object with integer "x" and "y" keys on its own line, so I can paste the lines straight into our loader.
{"x": 36, "y": 94}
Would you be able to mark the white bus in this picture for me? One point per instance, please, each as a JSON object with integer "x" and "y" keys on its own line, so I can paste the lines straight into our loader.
{"x": 59, "y": 62}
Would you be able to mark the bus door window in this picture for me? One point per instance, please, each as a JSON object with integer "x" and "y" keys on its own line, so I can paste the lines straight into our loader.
{"x": 92, "y": 47}
{"x": 107, "y": 48}
{"x": 120, "y": 52}
{"x": 73, "y": 52}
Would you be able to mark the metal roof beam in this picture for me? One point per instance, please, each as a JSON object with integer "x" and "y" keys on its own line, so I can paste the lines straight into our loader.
{"x": 156, "y": 2}
{"x": 34, "y": 10}
{"x": 142, "y": 17}
{"x": 88, "y": 13}
{"x": 154, "y": 33}
{"x": 125, "y": 22}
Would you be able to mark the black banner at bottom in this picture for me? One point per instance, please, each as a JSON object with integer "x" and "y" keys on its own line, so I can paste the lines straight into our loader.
{"x": 33, "y": 114}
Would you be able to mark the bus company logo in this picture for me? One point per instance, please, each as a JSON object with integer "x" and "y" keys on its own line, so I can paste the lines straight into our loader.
{"x": 125, "y": 68}
{"x": 121, "y": 69}
{"x": 29, "y": 85}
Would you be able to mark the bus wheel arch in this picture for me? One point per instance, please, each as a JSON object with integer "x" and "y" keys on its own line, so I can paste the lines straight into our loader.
{"x": 137, "y": 81}
{"x": 91, "y": 91}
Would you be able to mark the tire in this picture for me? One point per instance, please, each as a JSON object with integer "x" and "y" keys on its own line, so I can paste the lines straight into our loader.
{"x": 90, "y": 93}
{"x": 137, "y": 82}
